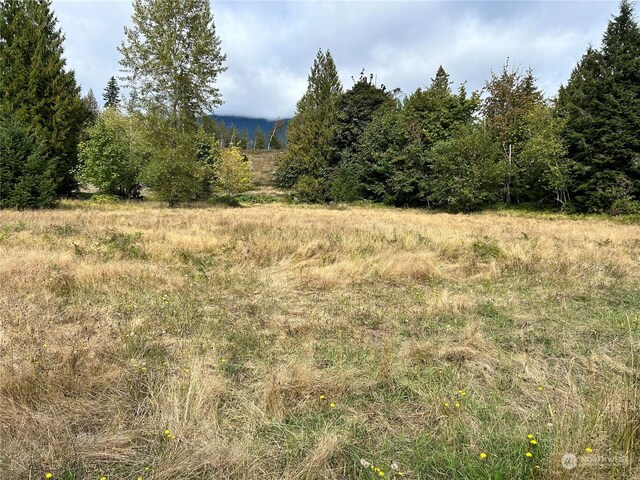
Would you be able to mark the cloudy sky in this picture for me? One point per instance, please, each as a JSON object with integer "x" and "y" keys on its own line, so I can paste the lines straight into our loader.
{"x": 270, "y": 45}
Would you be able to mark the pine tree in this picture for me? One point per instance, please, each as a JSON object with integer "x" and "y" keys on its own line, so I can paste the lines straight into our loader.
{"x": 310, "y": 131}
{"x": 91, "y": 105}
{"x": 36, "y": 89}
{"x": 111, "y": 94}
{"x": 243, "y": 140}
{"x": 259, "y": 140}
{"x": 601, "y": 105}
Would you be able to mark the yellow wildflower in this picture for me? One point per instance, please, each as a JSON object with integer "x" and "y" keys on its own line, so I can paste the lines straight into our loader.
{"x": 332, "y": 405}
{"x": 529, "y": 436}
{"x": 322, "y": 397}
{"x": 588, "y": 450}
{"x": 48, "y": 475}
{"x": 457, "y": 405}
{"x": 483, "y": 455}
{"x": 528, "y": 454}
{"x": 533, "y": 442}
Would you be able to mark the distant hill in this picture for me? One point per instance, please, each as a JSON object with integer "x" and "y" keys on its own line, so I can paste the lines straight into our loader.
{"x": 251, "y": 123}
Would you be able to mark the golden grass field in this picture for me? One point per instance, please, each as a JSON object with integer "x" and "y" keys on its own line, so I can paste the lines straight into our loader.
{"x": 292, "y": 342}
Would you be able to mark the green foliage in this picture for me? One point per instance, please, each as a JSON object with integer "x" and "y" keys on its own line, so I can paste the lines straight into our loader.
{"x": 259, "y": 141}
{"x": 173, "y": 70}
{"x": 309, "y": 189}
{"x": 466, "y": 172}
{"x": 601, "y": 105}
{"x": 36, "y": 89}
{"x": 356, "y": 109}
{"x": 391, "y": 167}
{"x": 345, "y": 184}
{"x": 625, "y": 206}
{"x": 394, "y": 147}
{"x": 104, "y": 199}
{"x": 543, "y": 162}
{"x": 91, "y": 106}
{"x": 232, "y": 172}
{"x": 25, "y": 170}
{"x": 438, "y": 112}
{"x": 112, "y": 157}
{"x": 172, "y": 170}
{"x": 310, "y": 131}
{"x": 507, "y": 110}
{"x": 111, "y": 94}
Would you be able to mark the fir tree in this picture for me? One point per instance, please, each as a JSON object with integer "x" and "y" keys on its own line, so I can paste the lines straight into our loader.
{"x": 601, "y": 105}
{"x": 36, "y": 89}
{"x": 259, "y": 139}
{"x": 91, "y": 105}
{"x": 310, "y": 131}
{"x": 111, "y": 94}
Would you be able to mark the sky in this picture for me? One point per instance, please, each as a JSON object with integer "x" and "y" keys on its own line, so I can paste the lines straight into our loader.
{"x": 270, "y": 45}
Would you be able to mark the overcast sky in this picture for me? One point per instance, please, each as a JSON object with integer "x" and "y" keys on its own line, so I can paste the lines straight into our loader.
{"x": 270, "y": 45}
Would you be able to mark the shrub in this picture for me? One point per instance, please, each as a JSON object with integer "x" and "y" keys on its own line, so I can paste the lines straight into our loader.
{"x": 232, "y": 172}
{"x": 309, "y": 189}
{"x": 111, "y": 158}
{"x": 625, "y": 206}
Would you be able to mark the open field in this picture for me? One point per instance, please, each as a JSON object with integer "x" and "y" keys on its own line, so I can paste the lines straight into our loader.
{"x": 279, "y": 341}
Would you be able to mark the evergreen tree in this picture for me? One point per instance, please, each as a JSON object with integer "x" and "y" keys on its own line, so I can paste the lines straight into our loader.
{"x": 36, "y": 89}
{"x": 25, "y": 172}
{"x": 356, "y": 108}
{"x": 393, "y": 159}
{"x": 438, "y": 112}
{"x": 601, "y": 105}
{"x": 91, "y": 105}
{"x": 310, "y": 131}
{"x": 243, "y": 140}
{"x": 259, "y": 140}
{"x": 111, "y": 94}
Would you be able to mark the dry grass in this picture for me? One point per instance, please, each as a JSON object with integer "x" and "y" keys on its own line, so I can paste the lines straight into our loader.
{"x": 226, "y": 326}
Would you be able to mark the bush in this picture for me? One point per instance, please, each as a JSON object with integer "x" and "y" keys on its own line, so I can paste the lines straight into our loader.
{"x": 111, "y": 158}
{"x": 173, "y": 176}
{"x": 625, "y": 206}
{"x": 26, "y": 174}
{"x": 309, "y": 189}
{"x": 232, "y": 172}
{"x": 104, "y": 199}
{"x": 466, "y": 174}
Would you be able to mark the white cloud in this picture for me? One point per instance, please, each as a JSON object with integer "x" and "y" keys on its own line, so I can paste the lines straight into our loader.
{"x": 271, "y": 45}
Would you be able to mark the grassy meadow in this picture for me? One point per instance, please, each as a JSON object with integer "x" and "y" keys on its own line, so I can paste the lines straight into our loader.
{"x": 299, "y": 342}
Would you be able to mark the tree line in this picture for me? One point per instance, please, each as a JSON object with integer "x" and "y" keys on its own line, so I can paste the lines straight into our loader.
{"x": 439, "y": 146}
{"x": 506, "y": 145}
{"x": 52, "y": 141}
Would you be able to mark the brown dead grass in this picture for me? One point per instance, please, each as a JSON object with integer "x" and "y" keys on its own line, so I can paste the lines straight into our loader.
{"x": 227, "y": 325}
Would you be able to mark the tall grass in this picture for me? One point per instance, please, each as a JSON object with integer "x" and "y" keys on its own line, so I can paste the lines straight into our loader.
{"x": 278, "y": 341}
